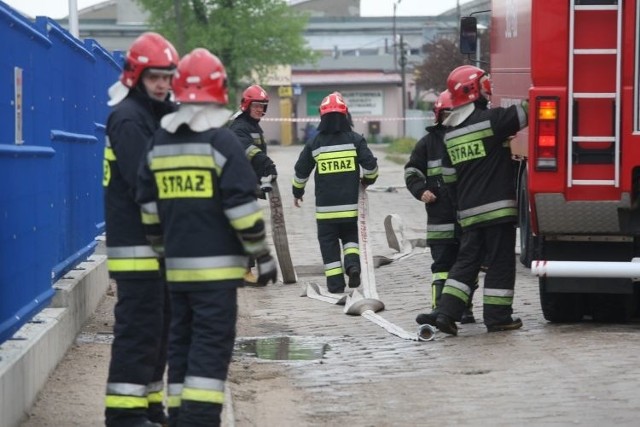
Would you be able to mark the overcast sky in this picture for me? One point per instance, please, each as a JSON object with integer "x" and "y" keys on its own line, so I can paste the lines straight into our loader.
{"x": 60, "y": 8}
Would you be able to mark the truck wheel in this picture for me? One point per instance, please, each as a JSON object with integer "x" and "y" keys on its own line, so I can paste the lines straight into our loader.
{"x": 524, "y": 222}
{"x": 560, "y": 307}
{"x": 612, "y": 308}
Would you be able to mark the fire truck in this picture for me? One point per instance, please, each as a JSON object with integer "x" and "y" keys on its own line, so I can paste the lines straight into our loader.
{"x": 578, "y": 64}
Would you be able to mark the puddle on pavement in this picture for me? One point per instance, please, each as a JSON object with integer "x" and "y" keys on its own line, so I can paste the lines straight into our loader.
{"x": 272, "y": 348}
{"x": 281, "y": 348}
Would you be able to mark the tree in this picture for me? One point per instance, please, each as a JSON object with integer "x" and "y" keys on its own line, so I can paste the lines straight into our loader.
{"x": 442, "y": 56}
{"x": 249, "y": 36}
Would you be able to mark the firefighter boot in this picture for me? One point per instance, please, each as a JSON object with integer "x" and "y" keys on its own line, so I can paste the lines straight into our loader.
{"x": 336, "y": 283}
{"x": 436, "y": 293}
{"x": 446, "y": 324}
{"x": 354, "y": 277}
{"x": 510, "y": 325}
{"x": 467, "y": 314}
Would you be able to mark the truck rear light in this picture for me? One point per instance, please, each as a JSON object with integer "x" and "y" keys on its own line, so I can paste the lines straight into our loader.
{"x": 548, "y": 110}
{"x": 546, "y": 134}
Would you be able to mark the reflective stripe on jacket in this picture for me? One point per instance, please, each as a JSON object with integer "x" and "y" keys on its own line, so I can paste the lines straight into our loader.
{"x": 203, "y": 186}
{"x": 424, "y": 172}
{"x": 478, "y": 151}
{"x": 337, "y": 159}
{"x": 130, "y": 126}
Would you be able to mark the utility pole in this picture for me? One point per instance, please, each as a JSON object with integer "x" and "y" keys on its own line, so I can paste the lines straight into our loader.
{"x": 395, "y": 44}
{"x": 403, "y": 65}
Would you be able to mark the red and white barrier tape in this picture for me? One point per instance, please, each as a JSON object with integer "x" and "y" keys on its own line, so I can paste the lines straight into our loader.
{"x": 355, "y": 119}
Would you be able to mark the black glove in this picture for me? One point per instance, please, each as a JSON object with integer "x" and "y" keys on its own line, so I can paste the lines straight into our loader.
{"x": 298, "y": 193}
{"x": 267, "y": 271}
{"x": 366, "y": 181}
{"x": 259, "y": 193}
{"x": 271, "y": 170}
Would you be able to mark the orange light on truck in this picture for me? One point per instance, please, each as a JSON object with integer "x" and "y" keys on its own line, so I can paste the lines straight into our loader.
{"x": 546, "y": 134}
{"x": 548, "y": 110}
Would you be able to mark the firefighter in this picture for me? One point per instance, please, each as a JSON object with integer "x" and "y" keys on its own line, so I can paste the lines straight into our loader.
{"x": 199, "y": 181}
{"x": 336, "y": 154}
{"x": 423, "y": 177}
{"x": 246, "y": 126}
{"x": 477, "y": 144}
{"x": 134, "y": 395}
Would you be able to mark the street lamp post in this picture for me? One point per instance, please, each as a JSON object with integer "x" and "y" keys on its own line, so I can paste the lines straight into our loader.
{"x": 395, "y": 44}
{"x": 73, "y": 18}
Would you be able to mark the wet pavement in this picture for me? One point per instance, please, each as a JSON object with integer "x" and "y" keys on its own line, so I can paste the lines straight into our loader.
{"x": 543, "y": 374}
{"x": 303, "y": 362}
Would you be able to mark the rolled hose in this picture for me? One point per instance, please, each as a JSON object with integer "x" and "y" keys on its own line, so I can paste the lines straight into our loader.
{"x": 426, "y": 333}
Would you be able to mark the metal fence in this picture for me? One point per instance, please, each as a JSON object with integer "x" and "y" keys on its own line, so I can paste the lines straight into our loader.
{"x": 53, "y": 94}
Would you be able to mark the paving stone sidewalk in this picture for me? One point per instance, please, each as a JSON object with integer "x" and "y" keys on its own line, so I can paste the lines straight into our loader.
{"x": 543, "y": 374}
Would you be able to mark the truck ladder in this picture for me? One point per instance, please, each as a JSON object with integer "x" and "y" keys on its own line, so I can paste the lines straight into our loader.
{"x": 575, "y": 95}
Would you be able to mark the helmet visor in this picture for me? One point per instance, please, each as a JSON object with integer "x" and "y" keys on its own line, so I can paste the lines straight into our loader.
{"x": 161, "y": 71}
{"x": 259, "y": 106}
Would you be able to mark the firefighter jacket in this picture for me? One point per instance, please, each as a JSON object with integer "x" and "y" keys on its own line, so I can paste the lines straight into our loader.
{"x": 130, "y": 126}
{"x": 201, "y": 186}
{"x": 478, "y": 149}
{"x": 423, "y": 172}
{"x": 337, "y": 159}
{"x": 251, "y": 136}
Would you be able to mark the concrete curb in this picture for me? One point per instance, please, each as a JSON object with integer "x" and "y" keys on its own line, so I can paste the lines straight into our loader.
{"x": 27, "y": 360}
{"x": 227, "y": 418}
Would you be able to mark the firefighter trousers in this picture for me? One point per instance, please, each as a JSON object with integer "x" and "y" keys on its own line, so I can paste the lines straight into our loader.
{"x": 201, "y": 339}
{"x": 494, "y": 246}
{"x": 444, "y": 256}
{"x": 135, "y": 391}
{"x": 330, "y": 236}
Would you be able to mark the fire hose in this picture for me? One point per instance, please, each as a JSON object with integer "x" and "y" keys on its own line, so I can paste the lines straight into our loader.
{"x": 364, "y": 301}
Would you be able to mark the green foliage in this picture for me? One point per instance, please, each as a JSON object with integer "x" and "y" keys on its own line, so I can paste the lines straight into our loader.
{"x": 399, "y": 149}
{"x": 249, "y": 36}
{"x": 424, "y": 105}
{"x": 442, "y": 56}
{"x": 401, "y": 146}
{"x": 386, "y": 139}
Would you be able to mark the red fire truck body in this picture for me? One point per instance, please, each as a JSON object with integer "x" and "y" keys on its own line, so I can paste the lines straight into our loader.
{"x": 578, "y": 63}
